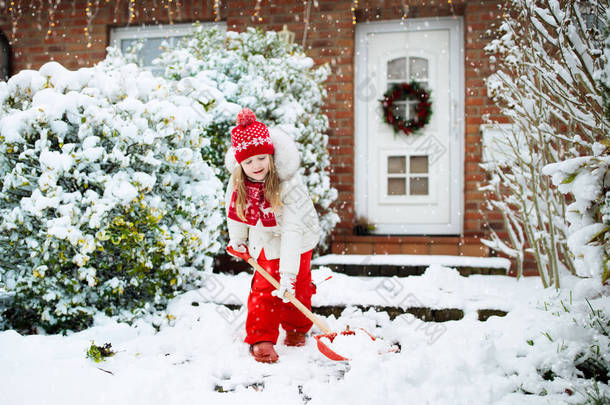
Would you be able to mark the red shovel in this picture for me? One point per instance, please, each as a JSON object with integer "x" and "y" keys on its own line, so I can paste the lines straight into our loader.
{"x": 325, "y": 350}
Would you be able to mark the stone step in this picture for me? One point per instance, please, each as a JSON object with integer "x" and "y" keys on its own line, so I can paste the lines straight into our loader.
{"x": 385, "y": 265}
{"x": 410, "y": 265}
{"x": 422, "y": 313}
{"x": 405, "y": 271}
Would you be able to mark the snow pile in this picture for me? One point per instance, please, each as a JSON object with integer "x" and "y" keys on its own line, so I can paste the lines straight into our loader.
{"x": 278, "y": 82}
{"x": 106, "y": 202}
{"x": 542, "y": 352}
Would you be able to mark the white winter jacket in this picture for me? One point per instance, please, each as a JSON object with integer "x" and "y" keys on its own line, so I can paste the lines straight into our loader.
{"x": 298, "y": 229}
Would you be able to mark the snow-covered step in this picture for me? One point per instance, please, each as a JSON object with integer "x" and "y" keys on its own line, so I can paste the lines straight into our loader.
{"x": 421, "y": 313}
{"x": 440, "y": 294}
{"x": 411, "y": 265}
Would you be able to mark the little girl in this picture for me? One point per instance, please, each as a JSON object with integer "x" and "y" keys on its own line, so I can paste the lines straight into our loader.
{"x": 271, "y": 216}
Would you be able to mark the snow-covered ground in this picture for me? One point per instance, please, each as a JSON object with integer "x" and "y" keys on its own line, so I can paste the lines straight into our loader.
{"x": 198, "y": 355}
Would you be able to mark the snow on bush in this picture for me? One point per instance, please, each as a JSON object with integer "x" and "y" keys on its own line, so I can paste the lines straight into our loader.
{"x": 587, "y": 180}
{"x": 278, "y": 82}
{"x": 566, "y": 349}
{"x": 106, "y": 202}
{"x": 548, "y": 55}
{"x": 603, "y": 74}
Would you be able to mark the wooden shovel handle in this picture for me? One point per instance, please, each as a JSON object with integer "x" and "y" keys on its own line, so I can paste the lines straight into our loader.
{"x": 317, "y": 321}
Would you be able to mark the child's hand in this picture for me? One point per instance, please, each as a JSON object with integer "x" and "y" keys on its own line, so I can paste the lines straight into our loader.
{"x": 238, "y": 250}
{"x": 287, "y": 282}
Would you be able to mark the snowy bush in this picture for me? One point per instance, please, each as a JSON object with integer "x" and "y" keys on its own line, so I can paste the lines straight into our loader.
{"x": 587, "y": 180}
{"x": 570, "y": 349}
{"x": 106, "y": 202}
{"x": 603, "y": 74}
{"x": 548, "y": 53}
{"x": 278, "y": 82}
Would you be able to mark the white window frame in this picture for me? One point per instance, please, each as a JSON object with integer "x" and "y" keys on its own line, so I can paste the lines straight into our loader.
{"x": 167, "y": 31}
{"x": 496, "y": 146}
{"x": 408, "y": 199}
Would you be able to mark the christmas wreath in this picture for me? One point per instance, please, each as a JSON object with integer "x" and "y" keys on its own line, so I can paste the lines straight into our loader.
{"x": 407, "y": 91}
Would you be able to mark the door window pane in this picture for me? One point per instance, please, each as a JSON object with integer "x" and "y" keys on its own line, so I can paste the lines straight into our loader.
{"x": 413, "y": 110}
{"x": 397, "y": 164}
{"x": 418, "y": 164}
{"x": 418, "y": 185}
{"x": 399, "y": 110}
{"x": 397, "y": 186}
{"x": 418, "y": 69}
{"x": 397, "y": 69}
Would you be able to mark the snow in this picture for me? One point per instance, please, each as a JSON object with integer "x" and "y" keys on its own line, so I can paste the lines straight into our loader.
{"x": 414, "y": 260}
{"x": 199, "y": 351}
{"x": 439, "y": 287}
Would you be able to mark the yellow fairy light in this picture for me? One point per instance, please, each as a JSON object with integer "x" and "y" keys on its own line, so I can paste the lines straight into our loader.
{"x": 405, "y": 10}
{"x": 132, "y": 14}
{"x": 216, "y": 10}
{"x": 257, "y": 11}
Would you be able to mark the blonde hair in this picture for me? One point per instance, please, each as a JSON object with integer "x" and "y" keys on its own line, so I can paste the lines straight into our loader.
{"x": 271, "y": 188}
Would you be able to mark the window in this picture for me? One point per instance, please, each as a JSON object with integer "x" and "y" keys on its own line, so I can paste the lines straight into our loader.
{"x": 402, "y": 70}
{"x": 407, "y": 179}
{"x": 152, "y": 37}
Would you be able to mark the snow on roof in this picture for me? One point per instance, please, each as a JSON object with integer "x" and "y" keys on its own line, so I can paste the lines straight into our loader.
{"x": 413, "y": 260}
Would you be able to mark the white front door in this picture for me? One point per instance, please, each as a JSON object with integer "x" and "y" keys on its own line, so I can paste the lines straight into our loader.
{"x": 410, "y": 184}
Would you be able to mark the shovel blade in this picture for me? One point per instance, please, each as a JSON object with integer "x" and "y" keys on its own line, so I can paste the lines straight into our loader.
{"x": 327, "y": 351}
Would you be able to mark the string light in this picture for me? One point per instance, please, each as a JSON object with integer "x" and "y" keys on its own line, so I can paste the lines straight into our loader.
{"x": 52, "y": 8}
{"x": 170, "y": 11}
{"x": 217, "y": 10}
{"x": 15, "y": 12}
{"x": 257, "y": 11}
{"x": 405, "y": 10}
{"x": 354, "y": 8}
{"x": 451, "y": 7}
{"x": 116, "y": 10}
{"x": 132, "y": 11}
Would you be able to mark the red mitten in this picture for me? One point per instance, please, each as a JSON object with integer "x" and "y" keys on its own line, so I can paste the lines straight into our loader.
{"x": 240, "y": 251}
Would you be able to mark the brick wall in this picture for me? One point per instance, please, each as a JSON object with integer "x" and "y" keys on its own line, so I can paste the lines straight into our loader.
{"x": 330, "y": 39}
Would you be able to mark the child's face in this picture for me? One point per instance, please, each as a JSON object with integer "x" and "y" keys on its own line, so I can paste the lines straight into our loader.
{"x": 256, "y": 167}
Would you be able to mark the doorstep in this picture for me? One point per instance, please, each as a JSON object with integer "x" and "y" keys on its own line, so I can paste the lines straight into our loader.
{"x": 420, "y": 245}
{"x": 411, "y": 265}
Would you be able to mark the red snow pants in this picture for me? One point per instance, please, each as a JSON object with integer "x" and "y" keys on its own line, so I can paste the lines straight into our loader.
{"x": 266, "y": 312}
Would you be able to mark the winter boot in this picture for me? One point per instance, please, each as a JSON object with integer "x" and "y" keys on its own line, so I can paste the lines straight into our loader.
{"x": 264, "y": 352}
{"x": 294, "y": 338}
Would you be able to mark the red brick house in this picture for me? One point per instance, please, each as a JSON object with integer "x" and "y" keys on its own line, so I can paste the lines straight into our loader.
{"x": 421, "y": 192}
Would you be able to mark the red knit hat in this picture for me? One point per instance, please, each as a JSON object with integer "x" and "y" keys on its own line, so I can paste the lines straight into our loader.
{"x": 250, "y": 137}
